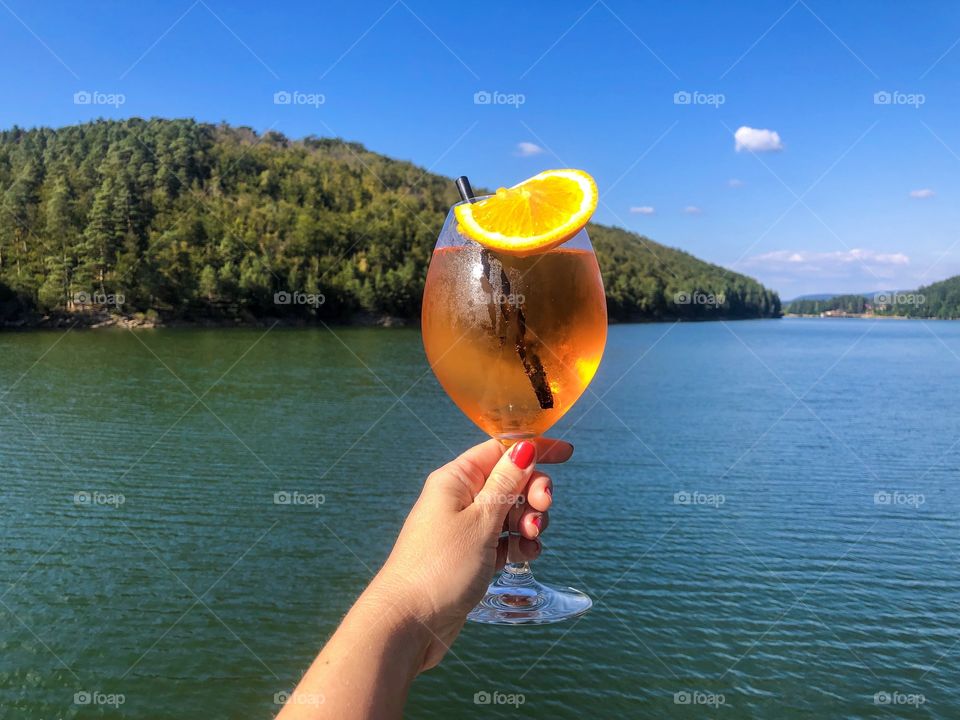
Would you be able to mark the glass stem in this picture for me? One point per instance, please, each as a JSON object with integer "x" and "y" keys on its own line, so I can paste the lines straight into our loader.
{"x": 515, "y": 565}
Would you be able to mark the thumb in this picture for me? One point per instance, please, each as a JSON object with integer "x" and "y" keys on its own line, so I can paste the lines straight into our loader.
{"x": 507, "y": 479}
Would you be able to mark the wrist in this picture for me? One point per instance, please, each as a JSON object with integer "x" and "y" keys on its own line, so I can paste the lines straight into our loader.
{"x": 395, "y": 604}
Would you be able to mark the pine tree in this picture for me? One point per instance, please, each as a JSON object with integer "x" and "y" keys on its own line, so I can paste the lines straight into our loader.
{"x": 60, "y": 238}
{"x": 101, "y": 233}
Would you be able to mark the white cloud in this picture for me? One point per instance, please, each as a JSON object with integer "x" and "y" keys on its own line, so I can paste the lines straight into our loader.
{"x": 734, "y": 183}
{"x": 526, "y": 149}
{"x": 642, "y": 210}
{"x": 922, "y": 193}
{"x": 755, "y": 140}
{"x": 692, "y": 210}
{"x": 854, "y": 264}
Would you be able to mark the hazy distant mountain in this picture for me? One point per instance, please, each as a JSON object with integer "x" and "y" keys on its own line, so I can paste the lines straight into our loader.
{"x": 815, "y": 296}
{"x": 829, "y": 296}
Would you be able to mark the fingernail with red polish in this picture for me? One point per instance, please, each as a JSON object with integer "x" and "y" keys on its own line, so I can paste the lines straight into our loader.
{"x": 548, "y": 490}
{"x": 537, "y": 522}
{"x": 522, "y": 454}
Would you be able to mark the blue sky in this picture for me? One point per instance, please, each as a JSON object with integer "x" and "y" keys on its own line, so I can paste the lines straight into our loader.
{"x": 851, "y": 194}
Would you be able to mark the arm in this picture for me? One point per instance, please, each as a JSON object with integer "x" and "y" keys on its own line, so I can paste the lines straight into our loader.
{"x": 410, "y": 614}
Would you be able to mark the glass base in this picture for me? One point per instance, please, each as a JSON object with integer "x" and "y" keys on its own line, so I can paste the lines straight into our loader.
{"x": 516, "y": 598}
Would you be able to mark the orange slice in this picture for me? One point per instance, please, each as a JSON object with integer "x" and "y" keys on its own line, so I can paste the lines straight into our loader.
{"x": 536, "y": 215}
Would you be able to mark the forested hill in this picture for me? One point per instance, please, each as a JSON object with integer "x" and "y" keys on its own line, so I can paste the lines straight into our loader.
{"x": 193, "y": 221}
{"x": 940, "y": 300}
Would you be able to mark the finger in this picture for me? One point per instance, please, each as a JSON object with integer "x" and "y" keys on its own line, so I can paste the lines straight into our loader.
{"x": 463, "y": 477}
{"x": 539, "y": 492}
{"x": 502, "y": 488}
{"x": 550, "y": 450}
{"x": 533, "y": 523}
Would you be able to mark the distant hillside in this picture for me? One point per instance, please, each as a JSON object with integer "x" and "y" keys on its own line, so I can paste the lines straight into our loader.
{"x": 821, "y": 296}
{"x": 939, "y": 300}
{"x": 184, "y": 220}
{"x": 814, "y": 305}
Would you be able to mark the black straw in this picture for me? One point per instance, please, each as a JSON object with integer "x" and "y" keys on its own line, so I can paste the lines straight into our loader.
{"x": 463, "y": 187}
{"x": 496, "y": 283}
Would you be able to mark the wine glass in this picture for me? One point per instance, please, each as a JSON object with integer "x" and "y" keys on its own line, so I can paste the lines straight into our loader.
{"x": 514, "y": 341}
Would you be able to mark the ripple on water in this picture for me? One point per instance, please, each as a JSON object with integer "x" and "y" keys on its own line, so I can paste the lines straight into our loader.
{"x": 801, "y": 593}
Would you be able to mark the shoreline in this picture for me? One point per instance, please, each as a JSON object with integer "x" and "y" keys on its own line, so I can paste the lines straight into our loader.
{"x": 141, "y": 321}
{"x": 794, "y": 316}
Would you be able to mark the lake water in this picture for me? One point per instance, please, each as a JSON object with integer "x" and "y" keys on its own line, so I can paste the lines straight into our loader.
{"x": 765, "y": 513}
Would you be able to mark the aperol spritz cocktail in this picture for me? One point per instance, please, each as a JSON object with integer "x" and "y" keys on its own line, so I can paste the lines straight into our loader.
{"x": 515, "y": 339}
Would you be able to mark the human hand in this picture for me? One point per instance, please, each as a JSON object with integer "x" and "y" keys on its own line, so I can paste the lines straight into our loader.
{"x": 451, "y": 545}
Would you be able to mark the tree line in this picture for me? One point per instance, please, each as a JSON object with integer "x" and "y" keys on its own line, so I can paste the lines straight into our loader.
{"x": 190, "y": 220}
{"x": 939, "y": 300}
{"x": 855, "y": 304}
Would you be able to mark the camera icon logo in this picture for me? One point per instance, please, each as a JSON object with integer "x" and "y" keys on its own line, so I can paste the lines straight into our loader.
{"x": 282, "y": 97}
{"x": 282, "y": 498}
{"x": 682, "y": 298}
{"x": 482, "y": 698}
{"x": 282, "y": 298}
{"x": 881, "y": 698}
{"x": 682, "y": 698}
{"x": 82, "y": 97}
{"x": 681, "y": 498}
{"x": 682, "y": 97}
{"x": 882, "y": 497}
{"x": 882, "y": 97}
{"x": 81, "y": 498}
{"x": 482, "y": 97}
{"x": 83, "y": 697}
